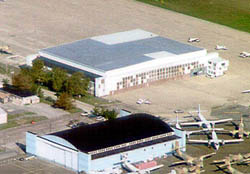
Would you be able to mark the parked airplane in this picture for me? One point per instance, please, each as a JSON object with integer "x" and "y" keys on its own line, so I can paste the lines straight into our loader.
{"x": 244, "y": 54}
{"x": 140, "y": 101}
{"x": 215, "y": 142}
{"x": 185, "y": 170}
{"x": 189, "y": 160}
{"x": 204, "y": 123}
{"x": 5, "y": 49}
{"x": 229, "y": 167}
{"x": 235, "y": 159}
{"x": 220, "y": 47}
{"x": 246, "y": 91}
{"x": 143, "y": 101}
{"x": 193, "y": 39}
{"x": 240, "y": 132}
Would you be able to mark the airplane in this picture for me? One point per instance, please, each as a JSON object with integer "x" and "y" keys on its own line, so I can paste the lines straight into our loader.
{"x": 246, "y": 91}
{"x": 185, "y": 170}
{"x": 5, "y": 49}
{"x": 140, "y": 101}
{"x": 238, "y": 158}
{"x": 204, "y": 123}
{"x": 193, "y": 39}
{"x": 215, "y": 141}
{"x": 133, "y": 170}
{"x": 220, "y": 47}
{"x": 244, "y": 54}
{"x": 147, "y": 102}
{"x": 240, "y": 131}
{"x": 189, "y": 160}
{"x": 143, "y": 101}
{"x": 229, "y": 167}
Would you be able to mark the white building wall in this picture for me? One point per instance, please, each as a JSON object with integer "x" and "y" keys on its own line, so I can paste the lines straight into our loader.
{"x": 3, "y": 116}
{"x": 113, "y": 77}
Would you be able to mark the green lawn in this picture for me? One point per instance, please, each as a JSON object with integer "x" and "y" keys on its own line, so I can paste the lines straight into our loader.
{"x": 15, "y": 120}
{"x": 232, "y": 13}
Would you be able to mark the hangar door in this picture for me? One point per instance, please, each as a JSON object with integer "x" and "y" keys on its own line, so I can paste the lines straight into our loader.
{"x": 57, "y": 153}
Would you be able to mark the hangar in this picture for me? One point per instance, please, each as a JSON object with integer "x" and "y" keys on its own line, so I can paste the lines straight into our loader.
{"x": 101, "y": 145}
{"x": 124, "y": 60}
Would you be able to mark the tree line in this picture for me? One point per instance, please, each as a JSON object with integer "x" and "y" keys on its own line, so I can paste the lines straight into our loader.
{"x": 57, "y": 80}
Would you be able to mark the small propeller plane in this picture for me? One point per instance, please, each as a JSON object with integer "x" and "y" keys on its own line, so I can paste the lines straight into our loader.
{"x": 184, "y": 170}
{"x": 220, "y": 47}
{"x": 195, "y": 39}
{"x": 5, "y": 49}
{"x": 229, "y": 167}
{"x": 244, "y": 54}
{"x": 189, "y": 160}
{"x": 240, "y": 132}
{"x": 215, "y": 142}
{"x": 235, "y": 159}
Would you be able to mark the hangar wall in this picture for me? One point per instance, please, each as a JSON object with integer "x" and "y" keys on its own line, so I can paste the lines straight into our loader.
{"x": 59, "y": 151}
{"x": 146, "y": 72}
{"x": 137, "y": 155}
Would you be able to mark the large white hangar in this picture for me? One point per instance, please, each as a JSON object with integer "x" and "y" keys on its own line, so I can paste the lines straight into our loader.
{"x": 101, "y": 145}
{"x": 127, "y": 59}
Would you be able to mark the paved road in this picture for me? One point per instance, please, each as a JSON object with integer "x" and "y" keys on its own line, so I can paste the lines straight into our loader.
{"x": 17, "y": 135}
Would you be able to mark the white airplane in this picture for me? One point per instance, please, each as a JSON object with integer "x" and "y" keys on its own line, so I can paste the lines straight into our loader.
{"x": 220, "y": 47}
{"x": 133, "y": 170}
{"x": 204, "y": 123}
{"x": 143, "y": 101}
{"x": 215, "y": 142}
{"x": 140, "y": 101}
{"x": 246, "y": 91}
{"x": 147, "y": 102}
{"x": 244, "y": 54}
{"x": 193, "y": 39}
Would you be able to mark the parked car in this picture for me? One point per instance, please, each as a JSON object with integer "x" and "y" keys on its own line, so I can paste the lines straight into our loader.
{"x": 100, "y": 118}
{"x": 84, "y": 113}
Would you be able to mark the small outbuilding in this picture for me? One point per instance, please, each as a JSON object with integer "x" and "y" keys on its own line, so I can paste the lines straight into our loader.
{"x": 3, "y": 116}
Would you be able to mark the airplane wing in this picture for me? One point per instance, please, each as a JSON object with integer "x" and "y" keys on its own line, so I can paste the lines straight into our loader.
{"x": 221, "y": 121}
{"x": 233, "y": 141}
{"x": 208, "y": 155}
{"x": 178, "y": 162}
{"x": 198, "y": 141}
{"x": 190, "y": 124}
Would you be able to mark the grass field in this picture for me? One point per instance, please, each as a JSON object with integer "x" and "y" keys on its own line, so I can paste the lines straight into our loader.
{"x": 15, "y": 120}
{"x": 232, "y": 13}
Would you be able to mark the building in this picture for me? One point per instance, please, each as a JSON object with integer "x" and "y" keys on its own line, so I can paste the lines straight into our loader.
{"x": 101, "y": 145}
{"x": 5, "y": 97}
{"x": 217, "y": 66}
{"x": 125, "y": 60}
{"x": 3, "y": 116}
{"x": 18, "y": 97}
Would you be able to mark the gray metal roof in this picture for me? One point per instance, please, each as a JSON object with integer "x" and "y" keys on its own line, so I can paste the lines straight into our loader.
{"x": 101, "y": 56}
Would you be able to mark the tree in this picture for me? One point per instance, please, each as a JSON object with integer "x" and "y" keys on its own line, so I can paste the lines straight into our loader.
{"x": 5, "y": 82}
{"x": 100, "y": 111}
{"x": 77, "y": 84}
{"x": 110, "y": 115}
{"x": 22, "y": 81}
{"x": 59, "y": 77}
{"x": 38, "y": 72}
{"x": 64, "y": 101}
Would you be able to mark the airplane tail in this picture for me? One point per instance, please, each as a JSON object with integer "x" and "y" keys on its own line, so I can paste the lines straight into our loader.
{"x": 177, "y": 125}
